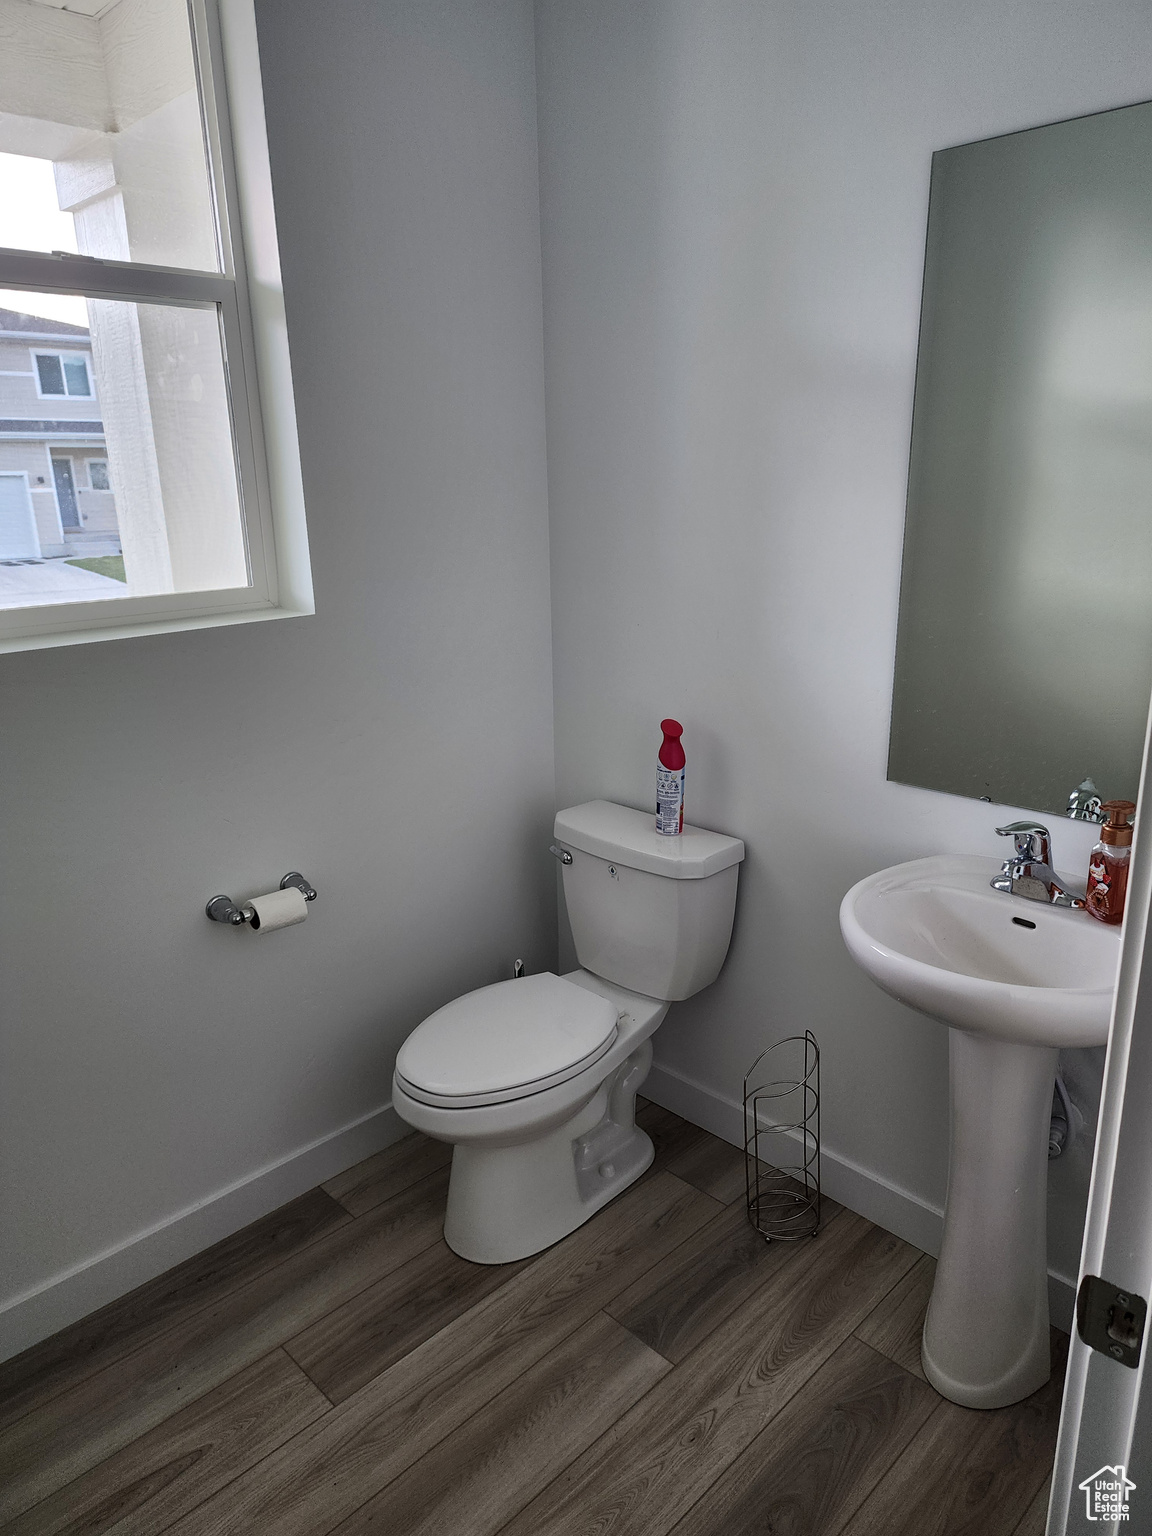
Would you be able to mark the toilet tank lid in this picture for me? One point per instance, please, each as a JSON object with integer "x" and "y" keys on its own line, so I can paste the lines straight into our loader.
{"x": 629, "y": 837}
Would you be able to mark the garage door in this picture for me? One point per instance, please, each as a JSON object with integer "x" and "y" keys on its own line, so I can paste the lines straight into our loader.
{"x": 18, "y": 539}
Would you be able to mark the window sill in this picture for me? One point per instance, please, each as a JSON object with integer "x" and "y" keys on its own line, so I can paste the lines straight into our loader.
{"x": 172, "y": 623}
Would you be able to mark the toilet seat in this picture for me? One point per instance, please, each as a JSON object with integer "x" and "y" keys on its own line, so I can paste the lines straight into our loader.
{"x": 506, "y": 1041}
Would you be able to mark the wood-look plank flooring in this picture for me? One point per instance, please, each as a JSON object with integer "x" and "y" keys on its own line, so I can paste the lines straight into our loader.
{"x": 661, "y": 1372}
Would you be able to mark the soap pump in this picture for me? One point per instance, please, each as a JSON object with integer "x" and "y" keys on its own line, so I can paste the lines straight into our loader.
{"x": 1108, "y": 863}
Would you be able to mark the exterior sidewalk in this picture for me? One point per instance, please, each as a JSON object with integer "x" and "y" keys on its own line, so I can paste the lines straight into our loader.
{"x": 53, "y": 581}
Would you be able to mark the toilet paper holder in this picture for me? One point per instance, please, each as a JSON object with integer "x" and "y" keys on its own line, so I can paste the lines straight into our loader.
{"x": 222, "y": 909}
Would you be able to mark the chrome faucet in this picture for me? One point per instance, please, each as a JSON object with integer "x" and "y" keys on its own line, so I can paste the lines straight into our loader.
{"x": 1029, "y": 871}
{"x": 1084, "y": 803}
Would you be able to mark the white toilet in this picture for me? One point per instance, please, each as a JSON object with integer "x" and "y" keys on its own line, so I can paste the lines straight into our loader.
{"x": 534, "y": 1081}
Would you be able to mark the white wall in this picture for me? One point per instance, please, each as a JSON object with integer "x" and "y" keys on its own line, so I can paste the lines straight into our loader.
{"x": 733, "y": 199}
{"x": 397, "y": 747}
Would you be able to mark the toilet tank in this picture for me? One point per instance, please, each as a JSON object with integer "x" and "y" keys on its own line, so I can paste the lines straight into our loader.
{"x": 648, "y": 912}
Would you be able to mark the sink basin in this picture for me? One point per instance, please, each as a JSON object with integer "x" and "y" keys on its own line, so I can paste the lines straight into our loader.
{"x": 1015, "y": 981}
{"x": 937, "y": 937}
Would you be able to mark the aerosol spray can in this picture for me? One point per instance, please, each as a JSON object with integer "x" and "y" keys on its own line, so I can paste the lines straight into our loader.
{"x": 670, "y": 780}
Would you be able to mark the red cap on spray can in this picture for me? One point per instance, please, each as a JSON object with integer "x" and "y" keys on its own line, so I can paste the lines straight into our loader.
{"x": 671, "y": 750}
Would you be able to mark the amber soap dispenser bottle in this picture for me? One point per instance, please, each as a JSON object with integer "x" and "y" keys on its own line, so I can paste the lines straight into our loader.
{"x": 1108, "y": 863}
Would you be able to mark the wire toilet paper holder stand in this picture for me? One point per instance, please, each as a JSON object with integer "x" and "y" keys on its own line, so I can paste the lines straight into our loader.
{"x": 782, "y": 1139}
{"x": 222, "y": 909}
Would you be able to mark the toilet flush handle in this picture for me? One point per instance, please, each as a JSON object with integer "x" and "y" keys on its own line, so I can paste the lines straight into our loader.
{"x": 561, "y": 853}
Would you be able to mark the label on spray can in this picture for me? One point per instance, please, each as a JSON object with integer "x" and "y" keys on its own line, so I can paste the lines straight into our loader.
{"x": 669, "y": 800}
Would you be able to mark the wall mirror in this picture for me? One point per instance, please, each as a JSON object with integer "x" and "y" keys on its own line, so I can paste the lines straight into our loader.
{"x": 1024, "y": 651}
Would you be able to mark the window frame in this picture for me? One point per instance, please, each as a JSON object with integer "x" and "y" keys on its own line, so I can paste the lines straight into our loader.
{"x": 61, "y": 353}
{"x": 254, "y": 348}
{"x": 88, "y": 463}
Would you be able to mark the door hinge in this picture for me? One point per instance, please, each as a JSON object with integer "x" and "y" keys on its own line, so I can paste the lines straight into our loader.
{"x": 1110, "y": 1319}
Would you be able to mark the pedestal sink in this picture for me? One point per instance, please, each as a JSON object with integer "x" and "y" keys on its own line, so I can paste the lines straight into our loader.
{"x": 1015, "y": 981}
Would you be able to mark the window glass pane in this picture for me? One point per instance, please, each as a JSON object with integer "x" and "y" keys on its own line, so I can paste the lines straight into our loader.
{"x": 101, "y": 141}
{"x": 30, "y": 215}
{"x": 161, "y": 509}
{"x": 51, "y": 374}
{"x": 76, "y": 376}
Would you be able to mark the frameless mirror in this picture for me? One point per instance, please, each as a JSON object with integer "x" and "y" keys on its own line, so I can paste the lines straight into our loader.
{"x": 1024, "y": 651}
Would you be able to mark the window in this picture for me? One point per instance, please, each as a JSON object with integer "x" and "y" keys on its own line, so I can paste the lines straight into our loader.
{"x": 138, "y": 272}
{"x": 63, "y": 373}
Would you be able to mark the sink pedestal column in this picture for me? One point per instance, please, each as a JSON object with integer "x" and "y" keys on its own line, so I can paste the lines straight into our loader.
{"x": 986, "y": 1333}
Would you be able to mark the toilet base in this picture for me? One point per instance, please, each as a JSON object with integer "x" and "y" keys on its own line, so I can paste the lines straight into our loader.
{"x": 508, "y": 1202}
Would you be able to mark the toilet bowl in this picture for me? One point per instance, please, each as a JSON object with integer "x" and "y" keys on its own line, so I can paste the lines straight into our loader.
{"x": 534, "y": 1081}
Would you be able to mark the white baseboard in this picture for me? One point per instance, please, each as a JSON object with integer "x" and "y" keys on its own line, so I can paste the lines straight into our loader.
{"x": 896, "y": 1210}
{"x": 76, "y": 1292}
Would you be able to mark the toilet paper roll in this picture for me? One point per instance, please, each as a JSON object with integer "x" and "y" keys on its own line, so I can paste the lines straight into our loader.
{"x": 278, "y": 909}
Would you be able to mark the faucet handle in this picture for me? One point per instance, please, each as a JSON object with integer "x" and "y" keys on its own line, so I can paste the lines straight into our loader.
{"x": 1031, "y": 840}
